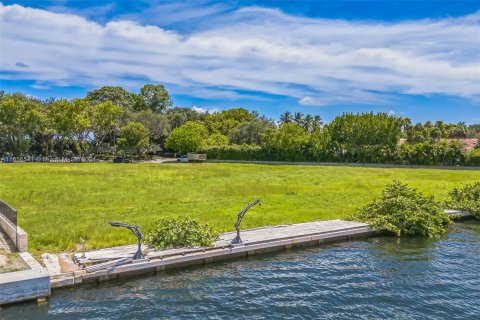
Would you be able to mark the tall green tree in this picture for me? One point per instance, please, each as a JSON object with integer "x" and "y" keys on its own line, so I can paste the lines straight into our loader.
{"x": 288, "y": 142}
{"x": 250, "y": 132}
{"x": 116, "y": 95}
{"x": 178, "y": 116}
{"x": 71, "y": 123}
{"x": 459, "y": 131}
{"x": 105, "y": 123}
{"x": 155, "y": 97}
{"x": 298, "y": 118}
{"x": 223, "y": 122}
{"x": 190, "y": 137}
{"x": 20, "y": 116}
{"x": 365, "y": 137}
{"x": 217, "y": 140}
{"x": 286, "y": 117}
{"x": 133, "y": 139}
{"x": 158, "y": 125}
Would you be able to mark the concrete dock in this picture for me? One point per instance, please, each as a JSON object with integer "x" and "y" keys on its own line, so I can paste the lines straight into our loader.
{"x": 255, "y": 241}
{"x": 112, "y": 263}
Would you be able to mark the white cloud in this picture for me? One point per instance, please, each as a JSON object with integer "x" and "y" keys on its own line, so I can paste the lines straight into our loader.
{"x": 309, "y": 101}
{"x": 205, "y": 110}
{"x": 39, "y": 86}
{"x": 256, "y": 50}
{"x": 199, "y": 109}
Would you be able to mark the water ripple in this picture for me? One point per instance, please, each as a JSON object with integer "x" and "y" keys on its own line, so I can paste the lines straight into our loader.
{"x": 379, "y": 278}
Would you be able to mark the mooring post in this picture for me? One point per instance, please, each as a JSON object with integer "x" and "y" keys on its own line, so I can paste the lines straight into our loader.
{"x": 83, "y": 247}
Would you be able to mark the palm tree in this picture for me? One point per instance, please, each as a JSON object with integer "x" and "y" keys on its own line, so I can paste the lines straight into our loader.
{"x": 298, "y": 118}
{"x": 317, "y": 122}
{"x": 308, "y": 123}
{"x": 286, "y": 117}
{"x": 459, "y": 131}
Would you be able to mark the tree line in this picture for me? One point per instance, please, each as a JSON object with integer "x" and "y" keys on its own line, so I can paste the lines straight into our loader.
{"x": 112, "y": 121}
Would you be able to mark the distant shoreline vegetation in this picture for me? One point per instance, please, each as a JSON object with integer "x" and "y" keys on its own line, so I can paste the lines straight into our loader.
{"x": 111, "y": 121}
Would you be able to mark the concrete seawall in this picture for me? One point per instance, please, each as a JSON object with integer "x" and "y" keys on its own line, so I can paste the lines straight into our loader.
{"x": 256, "y": 241}
{"x": 24, "y": 285}
{"x": 15, "y": 233}
{"x": 37, "y": 282}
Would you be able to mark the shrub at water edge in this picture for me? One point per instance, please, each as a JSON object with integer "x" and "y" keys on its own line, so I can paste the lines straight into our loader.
{"x": 176, "y": 233}
{"x": 404, "y": 211}
{"x": 466, "y": 198}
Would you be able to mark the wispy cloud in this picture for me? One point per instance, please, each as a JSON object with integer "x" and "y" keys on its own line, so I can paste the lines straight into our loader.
{"x": 205, "y": 109}
{"x": 249, "y": 51}
{"x": 188, "y": 13}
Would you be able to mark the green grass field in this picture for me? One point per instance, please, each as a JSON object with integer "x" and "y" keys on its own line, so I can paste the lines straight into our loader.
{"x": 58, "y": 203}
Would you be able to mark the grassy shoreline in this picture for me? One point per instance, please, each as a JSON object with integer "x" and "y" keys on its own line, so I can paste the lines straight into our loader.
{"x": 58, "y": 203}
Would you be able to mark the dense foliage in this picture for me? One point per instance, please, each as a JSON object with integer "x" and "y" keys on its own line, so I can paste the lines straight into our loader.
{"x": 189, "y": 137}
{"x": 466, "y": 198}
{"x": 133, "y": 138}
{"x": 473, "y": 158}
{"x": 377, "y": 143}
{"x": 405, "y": 212}
{"x": 111, "y": 121}
{"x": 444, "y": 152}
{"x": 176, "y": 233}
{"x": 440, "y": 130}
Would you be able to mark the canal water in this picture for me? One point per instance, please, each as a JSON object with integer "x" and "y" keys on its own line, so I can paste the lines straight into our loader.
{"x": 378, "y": 278}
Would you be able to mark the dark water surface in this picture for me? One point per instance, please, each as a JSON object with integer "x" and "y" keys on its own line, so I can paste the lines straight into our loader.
{"x": 379, "y": 278}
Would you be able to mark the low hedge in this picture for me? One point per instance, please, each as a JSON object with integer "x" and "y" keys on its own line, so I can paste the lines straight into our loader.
{"x": 235, "y": 152}
{"x": 474, "y": 158}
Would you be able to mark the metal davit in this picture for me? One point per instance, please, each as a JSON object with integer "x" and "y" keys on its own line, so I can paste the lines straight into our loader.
{"x": 134, "y": 228}
{"x": 241, "y": 214}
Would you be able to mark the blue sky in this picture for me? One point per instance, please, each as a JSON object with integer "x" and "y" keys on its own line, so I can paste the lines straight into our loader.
{"x": 419, "y": 59}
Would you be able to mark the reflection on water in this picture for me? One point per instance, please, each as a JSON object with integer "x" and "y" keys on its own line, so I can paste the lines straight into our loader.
{"x": 379, "y": 278}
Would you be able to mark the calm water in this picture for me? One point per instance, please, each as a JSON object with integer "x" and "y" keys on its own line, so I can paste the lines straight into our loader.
{"x": 379, "y": 278}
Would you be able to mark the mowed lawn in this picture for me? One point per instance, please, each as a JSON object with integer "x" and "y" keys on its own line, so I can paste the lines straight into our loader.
{"x": 59, "y": 203}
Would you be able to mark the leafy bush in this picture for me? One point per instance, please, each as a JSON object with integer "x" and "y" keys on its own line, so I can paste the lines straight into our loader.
{"x": 287, "y": 143}
{"x": 175, "y": 233}
{"x": 431, "y": 153}
{"x": 366, "y": 137}
{"x": 466, "y": 198}
{"x": 474, "y": 157}
{"x": 235, "y": 152}
{"x": 188, "y": 138}
{"x": 404, "y": 211}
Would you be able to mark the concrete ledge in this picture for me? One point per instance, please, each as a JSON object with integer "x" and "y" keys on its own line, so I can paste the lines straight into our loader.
{"x": 24, "y": 285}
{"x": 207, "y": 256}
{"x": 16, "y": 234}
{"x": 202, "y": 256}
{"x": 32, "y": 263}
